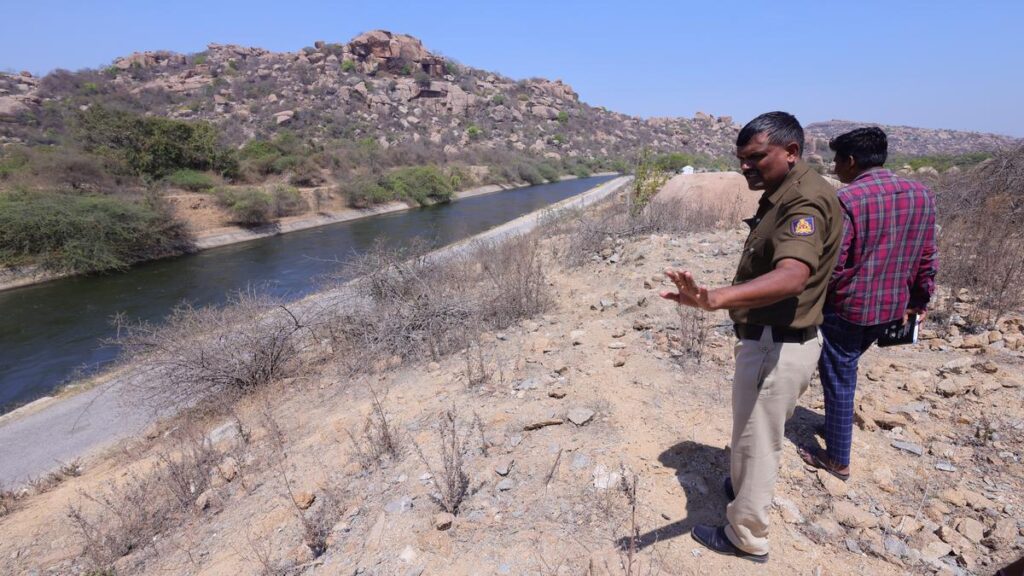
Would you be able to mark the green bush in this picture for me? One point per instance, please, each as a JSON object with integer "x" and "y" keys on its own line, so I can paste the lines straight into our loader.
{"x": 288, "y": 201}
{"x": 548, "y": 172}
{"x": 254, "y": 207}
{"x": 529, "y": 174}
{"x": 248, "y": 206}
{"x": 581, "y": 171}
{"x": 563, "y": 116}
{"x": 71, "y": 233}
{"x": 420, "y": 185}
{"x": 190, "y": 180}
{"x": 283, "y": 153}
{"x": 348, "y": 65}
{"x": 498, "y": 99}
{"x": 153, "y": 146}
{"x": 474, "y": 132}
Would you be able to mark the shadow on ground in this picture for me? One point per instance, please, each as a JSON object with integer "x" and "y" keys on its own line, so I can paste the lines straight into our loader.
{"x": 700, "y": 470}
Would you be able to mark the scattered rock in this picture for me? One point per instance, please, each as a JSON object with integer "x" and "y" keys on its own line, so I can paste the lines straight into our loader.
{"x": 895, "y": 546}
{"x": 228, "y": 469}
{"x": 225, "y": 437}
{"x": 408, "y": 555}
{"x": 834, "y": 486}
{"x": 557, "y": 393}
{"x": 304, "y": 499}
{"x": 934, "y": 550}
{"x": 605, "y": 479}
{"x": 850, "y": 515}
{"x": 527, "y": 384}
{"x": 1004, "y": 534}
{"x": 203, "y": 500}
{"x": 505, "y": 485}
{"x": 915, "y": 449}
{"x": 620, "y": 360}
{"x": 504, "y": 469}
{"x": 971, "y": 529}
{"x": 580, "y": 416}
{"x": 884, "y": 478}
{"x": 399, "y": 505}
{"x": 695, "y": 482}
{"x": 443, "y": 520}
{"x": 576, "y": 336}
{"x": 790, "y": 511}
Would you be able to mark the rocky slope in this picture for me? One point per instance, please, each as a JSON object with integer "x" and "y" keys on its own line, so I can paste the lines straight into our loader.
{"x": 382, "y": 85}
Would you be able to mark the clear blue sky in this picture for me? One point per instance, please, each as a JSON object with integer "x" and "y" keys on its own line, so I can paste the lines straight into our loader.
{"x": 937, "y": 64}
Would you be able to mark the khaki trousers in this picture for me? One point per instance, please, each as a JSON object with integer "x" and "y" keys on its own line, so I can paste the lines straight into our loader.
{"x": 769, "y": 378}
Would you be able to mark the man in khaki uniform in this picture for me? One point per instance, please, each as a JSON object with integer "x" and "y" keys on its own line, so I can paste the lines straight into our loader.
{"x": 776, "y": 303}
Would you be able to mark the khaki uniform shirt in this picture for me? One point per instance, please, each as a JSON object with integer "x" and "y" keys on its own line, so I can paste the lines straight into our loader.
{"x": 801, "y": 220}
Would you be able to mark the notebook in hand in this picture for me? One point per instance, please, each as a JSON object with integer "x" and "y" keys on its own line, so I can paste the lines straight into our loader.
{"x": 898, "y": 333}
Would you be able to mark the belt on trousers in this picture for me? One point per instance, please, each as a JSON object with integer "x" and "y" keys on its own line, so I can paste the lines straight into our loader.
{"x": 797, "y": 335}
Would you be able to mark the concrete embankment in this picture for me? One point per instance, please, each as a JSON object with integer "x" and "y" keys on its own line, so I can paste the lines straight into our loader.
{"x": 36, "y": 437}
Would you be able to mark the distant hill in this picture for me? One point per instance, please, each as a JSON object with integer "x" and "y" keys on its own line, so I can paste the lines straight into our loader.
{"x": 910, "y": 141}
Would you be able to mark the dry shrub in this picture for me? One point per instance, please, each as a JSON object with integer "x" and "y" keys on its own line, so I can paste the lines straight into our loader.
{"x": 478, "y": 370}
{"x": 593, "y": 229}
{"x": 186, "y": 471}
{"x": 981, "y": 244}
{"x": 123, "y": 520}
{"x": 514, "y": 284}
{"x": 316, "y": 522}
{"x": 379, "y": 438}
{"x": 202, "y": 353}
{"x": 452, "y": 483}
{"x": 128, "y": 516}
{"x": 53, "y": 479}
{"x": 9, "y": 500}
{"x": 408, "y": 304}
{"x": 693, "y": 333}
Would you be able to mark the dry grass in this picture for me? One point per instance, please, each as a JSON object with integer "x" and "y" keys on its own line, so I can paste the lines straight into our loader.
{"x": 452, "y": 483}
{"x": 407, "y": 305}
{"x": 379, "y": 438}
{"x": 593, "y": 230}
{"x": 693, "y": 333}
{"x": 123, "y": 520}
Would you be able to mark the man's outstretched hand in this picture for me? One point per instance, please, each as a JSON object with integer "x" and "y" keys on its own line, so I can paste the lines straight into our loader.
{"x": 689, "y": 293}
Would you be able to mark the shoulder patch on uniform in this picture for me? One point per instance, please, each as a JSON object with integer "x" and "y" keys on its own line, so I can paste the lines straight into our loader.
{"x": 802, "y": 226}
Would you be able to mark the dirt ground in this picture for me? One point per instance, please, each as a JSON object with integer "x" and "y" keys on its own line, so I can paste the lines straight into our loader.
{"x": 612, "y": 386}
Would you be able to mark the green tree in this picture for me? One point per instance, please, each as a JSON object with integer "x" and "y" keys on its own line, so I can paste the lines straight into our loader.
{"x": 648, "y": 179}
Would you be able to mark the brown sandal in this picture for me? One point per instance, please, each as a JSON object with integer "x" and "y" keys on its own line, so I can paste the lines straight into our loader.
{"x": 813, "y": 456}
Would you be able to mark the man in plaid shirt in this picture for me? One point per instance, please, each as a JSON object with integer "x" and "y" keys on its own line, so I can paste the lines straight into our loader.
{"x": 885, "y": 272}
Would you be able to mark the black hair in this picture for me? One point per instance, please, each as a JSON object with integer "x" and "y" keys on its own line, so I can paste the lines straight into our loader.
{"x": 780, "y": 127}
{"x": 868, "y": 146}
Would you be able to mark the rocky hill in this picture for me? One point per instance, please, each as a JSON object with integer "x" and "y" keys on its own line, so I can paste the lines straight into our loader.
{"x": 910, "y": 141}
{"x": 383, "y": 85}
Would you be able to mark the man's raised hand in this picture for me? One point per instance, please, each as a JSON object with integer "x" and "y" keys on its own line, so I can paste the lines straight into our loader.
{"x": 689, "y": 294}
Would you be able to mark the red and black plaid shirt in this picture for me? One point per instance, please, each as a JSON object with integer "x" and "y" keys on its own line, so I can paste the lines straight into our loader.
{"x": 887, "y": 261}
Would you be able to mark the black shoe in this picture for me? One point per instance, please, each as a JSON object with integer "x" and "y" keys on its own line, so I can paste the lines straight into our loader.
{"x": 728, "y": 489}
{"x": 714, "y": 539}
